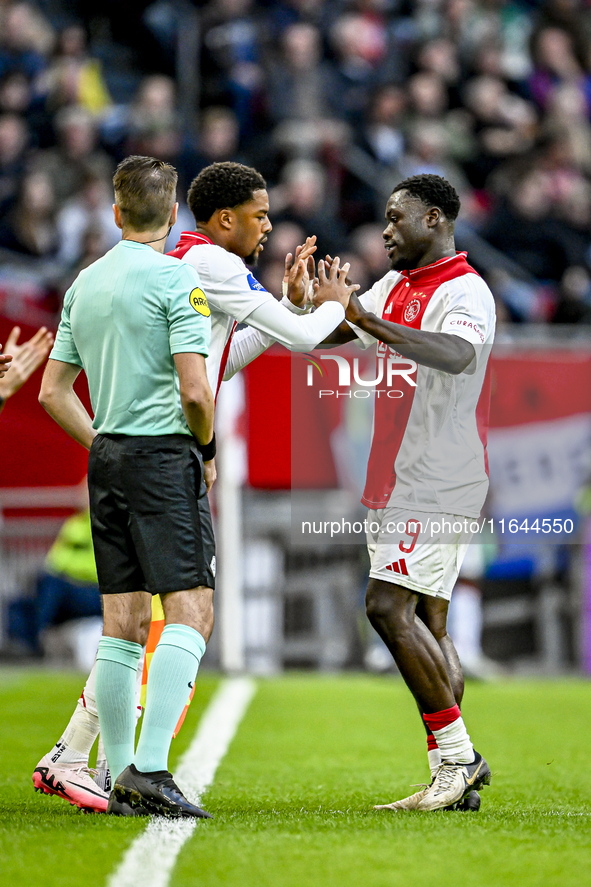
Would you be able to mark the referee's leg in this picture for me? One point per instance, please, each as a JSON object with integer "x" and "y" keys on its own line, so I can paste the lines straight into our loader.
{"x": 173, "y": 669}
{"x": 125, "y": 632}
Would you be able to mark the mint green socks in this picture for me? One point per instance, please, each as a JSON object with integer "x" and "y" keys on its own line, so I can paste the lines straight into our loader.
{"x": 116, "y": 668}
{"x": 172, "y": 672}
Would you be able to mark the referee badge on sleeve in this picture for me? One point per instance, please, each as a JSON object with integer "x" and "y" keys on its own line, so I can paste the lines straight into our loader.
{"x": 198, "y": 300}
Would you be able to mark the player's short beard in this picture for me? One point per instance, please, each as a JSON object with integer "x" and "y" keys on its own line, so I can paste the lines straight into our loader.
{"x": 252, "y": 259}
{"x": 406, "y": 262}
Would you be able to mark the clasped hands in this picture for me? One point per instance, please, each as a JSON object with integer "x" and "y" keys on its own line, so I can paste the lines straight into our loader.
{"x": 305, "y": 288}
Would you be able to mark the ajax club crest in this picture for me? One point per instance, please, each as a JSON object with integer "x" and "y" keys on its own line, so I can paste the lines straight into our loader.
{"x": 412, "y": 310}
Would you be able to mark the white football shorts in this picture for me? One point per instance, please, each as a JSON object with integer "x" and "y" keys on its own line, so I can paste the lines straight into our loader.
{"x": 421, "y": 551}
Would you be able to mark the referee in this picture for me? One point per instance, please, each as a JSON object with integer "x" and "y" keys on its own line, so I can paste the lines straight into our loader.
{"x": 138, "y": 323}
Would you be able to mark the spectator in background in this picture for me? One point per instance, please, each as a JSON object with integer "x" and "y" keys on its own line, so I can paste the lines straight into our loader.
{"x": 303, "y": 197}
{"x": 219, "y": 137}
{"x": 153, "y": 108}
{"x": 378, "y": 146}
{"x": 486, "y": 93}
{"x": 428, "y": 152}
{"x": 429, "y": 103}
{"x": 381, "y": 134}
{"x": 573, "y": 304}
{"x": 91, "y": 209}
{"x": 521, "y": 227}
{"x": 15, "y": 94}
{"x": 555, "y": 61}
{"x": 271, "y": 268}
{"x": 367, "y": 242}
{"x": 518, "y": 300}
{"x": 231, "y": 63}
{"x": 14, "y": 140}
{"x": 26, "y": 358}
{"x": 280, "y": 14}
{"x": 30, "y": 225}
{"x": 299, "y": 78}
{"x": 439, "y": 57}
{"x": 504, "y": 126}
{"x": 77, "y": 146}
{"x": 18, "y": 96}
{"x": 362, "y": 63}
{"x": 152, "y": 105}
{"x": 152, "y": 126}
{"x": 567, "y": 118}
{"x": 73, "y": 76}
{"x": 26, "y": 38}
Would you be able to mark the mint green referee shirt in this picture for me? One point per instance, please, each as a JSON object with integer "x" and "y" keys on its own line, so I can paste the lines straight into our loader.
{"x": 123, "y": 319}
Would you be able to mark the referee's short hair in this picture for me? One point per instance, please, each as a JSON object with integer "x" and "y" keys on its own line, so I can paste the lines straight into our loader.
{"x": 145, "y": 192}
{"x": 433, "y": 191}
{"x": 222, "y": 186}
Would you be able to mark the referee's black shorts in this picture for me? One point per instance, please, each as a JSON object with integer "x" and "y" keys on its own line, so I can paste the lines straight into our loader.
{"x": 151, "y": 523}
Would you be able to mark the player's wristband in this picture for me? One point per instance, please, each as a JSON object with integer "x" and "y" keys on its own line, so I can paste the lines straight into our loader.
{"x": 208, "y": 451}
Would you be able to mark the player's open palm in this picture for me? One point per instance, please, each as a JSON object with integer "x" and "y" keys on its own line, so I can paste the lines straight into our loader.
{"x": 26, "y": 357}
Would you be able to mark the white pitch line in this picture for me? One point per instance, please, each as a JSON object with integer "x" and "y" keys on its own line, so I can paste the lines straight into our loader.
{"x": 150, "y": 859}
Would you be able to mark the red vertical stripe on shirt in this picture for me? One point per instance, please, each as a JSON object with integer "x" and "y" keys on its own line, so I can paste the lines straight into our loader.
{"x": 224, "y": 359}
{"x": 483, "y": 412}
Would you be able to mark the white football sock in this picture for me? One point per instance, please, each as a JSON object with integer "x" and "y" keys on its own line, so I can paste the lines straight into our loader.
{"x": 454, "y": 743}
{"x": 79, "y": 736}
{"x": 434, "y": 756}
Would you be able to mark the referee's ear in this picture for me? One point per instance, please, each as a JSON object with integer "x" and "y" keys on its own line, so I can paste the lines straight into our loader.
{"x": 117, "y": 214}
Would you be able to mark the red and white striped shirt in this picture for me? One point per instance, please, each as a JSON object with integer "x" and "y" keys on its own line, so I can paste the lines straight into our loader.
{"x": 429, "y": 438}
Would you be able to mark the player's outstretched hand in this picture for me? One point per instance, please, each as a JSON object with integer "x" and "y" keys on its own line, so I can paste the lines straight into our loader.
{"x": 334, "y": 286}
{"x": 26, "y": 358}
{"x": 299, "y": 272}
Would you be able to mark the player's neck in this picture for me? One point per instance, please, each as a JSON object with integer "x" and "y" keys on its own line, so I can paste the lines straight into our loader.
{"x": 436, "y": 254}
{"x": 215, "y": 235}
{"x": 155, "y": 239}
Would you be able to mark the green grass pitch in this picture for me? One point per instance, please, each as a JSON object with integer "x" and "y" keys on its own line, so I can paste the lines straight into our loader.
{"x": 293, "y": 798}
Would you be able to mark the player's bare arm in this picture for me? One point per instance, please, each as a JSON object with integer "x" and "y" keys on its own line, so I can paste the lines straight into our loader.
{"x": 58, "y": 397}
{"x": 441, "y": 351}
{"x": 198, "y": 404}
{"x": 340, "y": 336}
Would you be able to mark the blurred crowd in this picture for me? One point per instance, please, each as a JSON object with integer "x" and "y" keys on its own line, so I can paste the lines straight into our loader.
{"x": 334, "y": 101}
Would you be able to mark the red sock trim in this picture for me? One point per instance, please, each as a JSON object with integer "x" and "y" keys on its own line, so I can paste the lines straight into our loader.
{"x": 431, "y": 742}
{"x": 440, "y": 719}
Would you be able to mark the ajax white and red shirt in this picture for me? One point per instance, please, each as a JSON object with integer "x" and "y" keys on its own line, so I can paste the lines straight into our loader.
{"x": 428, "y": 447}
{"x": 234, "y": 295}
